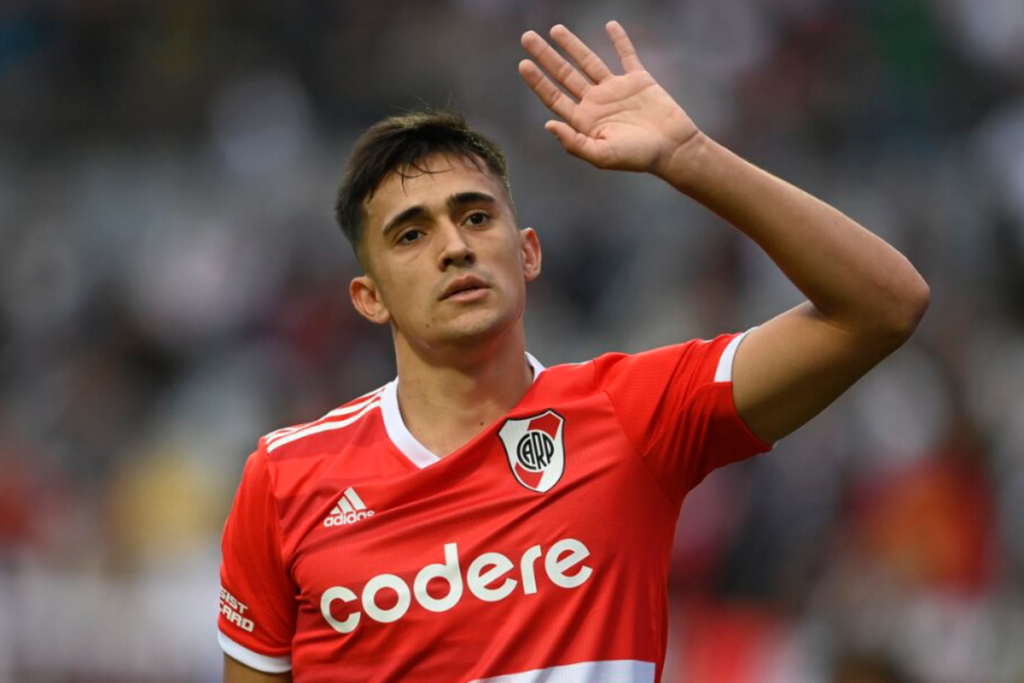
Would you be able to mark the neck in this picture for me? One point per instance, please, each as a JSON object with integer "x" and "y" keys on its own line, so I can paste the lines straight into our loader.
{"x": 446, "y": 401}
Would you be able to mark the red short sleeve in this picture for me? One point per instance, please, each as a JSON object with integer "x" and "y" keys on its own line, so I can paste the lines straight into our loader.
{"x": 257, "y": 596}
{"x": 676, "y": 407}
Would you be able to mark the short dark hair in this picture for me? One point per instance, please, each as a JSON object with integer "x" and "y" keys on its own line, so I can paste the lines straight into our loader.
{"x": 402, "y": 142}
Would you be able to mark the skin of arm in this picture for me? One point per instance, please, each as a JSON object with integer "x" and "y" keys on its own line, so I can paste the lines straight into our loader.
{"x": 864, "y": 298}
{"x": 236, "y": 672}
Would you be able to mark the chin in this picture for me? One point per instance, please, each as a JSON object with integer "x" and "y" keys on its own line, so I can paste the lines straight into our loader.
{"x": 467, "y": 332}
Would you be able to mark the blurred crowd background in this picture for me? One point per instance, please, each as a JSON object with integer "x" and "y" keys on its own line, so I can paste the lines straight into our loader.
{"x": 172, "y": 286}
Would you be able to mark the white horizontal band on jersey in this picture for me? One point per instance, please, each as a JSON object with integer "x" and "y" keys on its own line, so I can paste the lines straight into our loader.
{"x": 724, "y": 371}
{"x": 618, "y": 670}
{"x": 253, "y": 660}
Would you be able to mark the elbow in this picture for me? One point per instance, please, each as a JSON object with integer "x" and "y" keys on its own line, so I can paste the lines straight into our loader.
{"x": 918, "y": 300}
{"x": 891, "y": 315}
{"x": 909, "y": 308}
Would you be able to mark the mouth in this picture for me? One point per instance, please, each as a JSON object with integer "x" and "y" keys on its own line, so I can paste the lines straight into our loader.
{"x": 472, "y": 294}
{"x": 465, "y": 289}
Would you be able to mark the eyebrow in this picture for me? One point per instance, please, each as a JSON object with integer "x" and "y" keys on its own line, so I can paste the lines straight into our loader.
{"x": 456, "y": 200}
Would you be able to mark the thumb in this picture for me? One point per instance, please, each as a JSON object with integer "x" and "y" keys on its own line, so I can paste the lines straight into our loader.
{"x": 574, "y": 142}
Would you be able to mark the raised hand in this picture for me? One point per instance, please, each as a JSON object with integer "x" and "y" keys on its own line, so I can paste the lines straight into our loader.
{"x": 626, "y": 122}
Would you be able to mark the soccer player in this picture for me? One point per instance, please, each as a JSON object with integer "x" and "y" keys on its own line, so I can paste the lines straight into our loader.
{"x": 482, "y": 517}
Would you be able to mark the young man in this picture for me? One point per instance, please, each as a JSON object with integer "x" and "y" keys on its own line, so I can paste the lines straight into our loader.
{"x": 482, "y": 518}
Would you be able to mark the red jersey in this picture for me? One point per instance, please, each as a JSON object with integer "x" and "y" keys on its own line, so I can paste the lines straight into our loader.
{"x": 538, "y": 551}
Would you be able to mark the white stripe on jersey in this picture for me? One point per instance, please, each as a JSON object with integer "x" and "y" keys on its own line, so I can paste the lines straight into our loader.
{"x": 253, "y": 660}
{"x": 618, "y": 670}
{"x": 352, "y": 407}
{"x": 723, "y": 373}
{"x": 323, "y": 427}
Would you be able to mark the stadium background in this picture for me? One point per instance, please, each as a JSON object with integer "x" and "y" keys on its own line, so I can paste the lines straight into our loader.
{"x": 172, "y": 286}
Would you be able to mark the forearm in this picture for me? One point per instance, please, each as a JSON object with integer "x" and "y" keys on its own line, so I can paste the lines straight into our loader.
{"x": 854, "y": 278}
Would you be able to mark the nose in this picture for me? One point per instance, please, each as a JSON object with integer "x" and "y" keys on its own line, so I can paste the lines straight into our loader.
{"x": 455, "y": 250}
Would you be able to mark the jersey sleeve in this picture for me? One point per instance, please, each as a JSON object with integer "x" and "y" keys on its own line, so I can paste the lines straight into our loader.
{"x": 676, "y": 407}
{"x": 257, "y": 596}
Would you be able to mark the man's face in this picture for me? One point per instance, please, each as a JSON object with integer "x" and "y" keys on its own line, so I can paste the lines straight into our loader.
{"x": 447, "y": 266}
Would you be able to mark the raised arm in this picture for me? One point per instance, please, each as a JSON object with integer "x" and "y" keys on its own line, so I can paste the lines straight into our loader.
{"x": 864, "y": 298}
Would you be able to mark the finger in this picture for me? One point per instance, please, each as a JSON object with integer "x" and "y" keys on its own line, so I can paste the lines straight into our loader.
{"x": 573, "y": 142}
{"x": 552, "y": 62}
{"x": 577, "y": 144}
{"x": 624, "y": 46}
{"x": 553, "y": 98}
{"x": 589, "y": 62}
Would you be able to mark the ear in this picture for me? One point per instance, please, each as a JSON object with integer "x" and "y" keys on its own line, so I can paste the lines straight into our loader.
{"x": 530, "y": 246}
{"x": 367, "y": 300}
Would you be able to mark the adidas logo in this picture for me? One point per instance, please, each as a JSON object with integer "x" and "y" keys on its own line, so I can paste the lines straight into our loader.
{"x": 349, "y": 510}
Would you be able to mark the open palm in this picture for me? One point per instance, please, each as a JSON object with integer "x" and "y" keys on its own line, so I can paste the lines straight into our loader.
{"x": 626, "y": 122}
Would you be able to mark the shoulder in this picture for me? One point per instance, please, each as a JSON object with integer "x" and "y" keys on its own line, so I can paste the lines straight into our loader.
{"x": 566, "y": 378}
{"x": 334, "y": 424}
{"x": 579, "y": 379}
{"x": 686, "y": 365}
{"x": 706, "y": 360}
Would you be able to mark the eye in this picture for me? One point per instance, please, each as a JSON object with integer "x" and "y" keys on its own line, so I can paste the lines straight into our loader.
{"x": 478, "y": 218}
{"x": 409, "y": 236}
